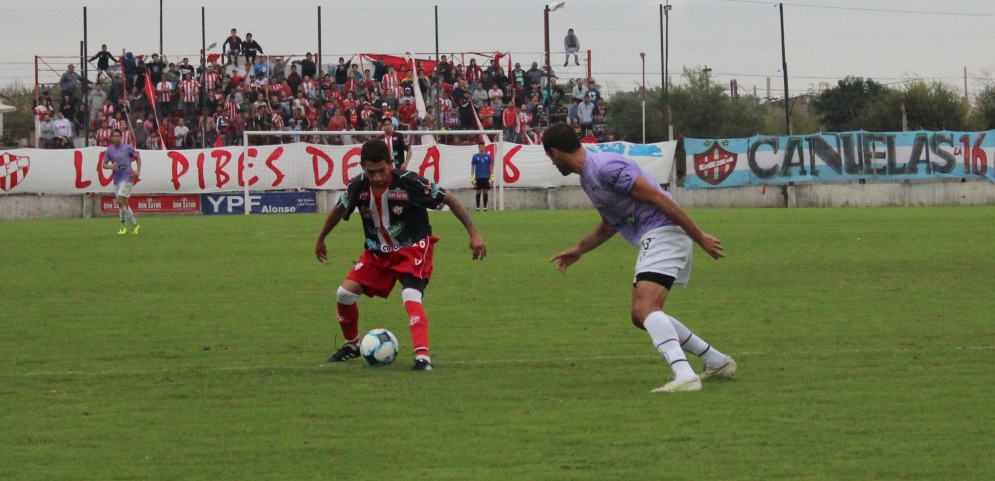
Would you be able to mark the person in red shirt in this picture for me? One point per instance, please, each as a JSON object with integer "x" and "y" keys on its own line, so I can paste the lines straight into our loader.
{"x": 407, "y": 112}
{"x": 486, "y": 115}
{"x": 510, "y": 118}
{"x": 589, "y": 138}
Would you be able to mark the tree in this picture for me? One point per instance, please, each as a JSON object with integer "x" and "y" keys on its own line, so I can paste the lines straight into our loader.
{"x": 845, "y": 106}
{"x": 934, "y": 106}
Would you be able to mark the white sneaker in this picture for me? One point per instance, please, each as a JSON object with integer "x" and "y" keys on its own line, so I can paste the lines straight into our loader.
{"x": 724, "y": 371}
{"x": 693, "y": 384}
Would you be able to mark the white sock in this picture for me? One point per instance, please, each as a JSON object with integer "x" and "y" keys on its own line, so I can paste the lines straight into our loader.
{"x": 696, "y": 345}
{"x": 664, "y": 337}
{"x": 128, "y": 214}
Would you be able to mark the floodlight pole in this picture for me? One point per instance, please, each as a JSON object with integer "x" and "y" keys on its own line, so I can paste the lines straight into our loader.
{"x": 86, "y": 101}
{"x": 642, "y": 55}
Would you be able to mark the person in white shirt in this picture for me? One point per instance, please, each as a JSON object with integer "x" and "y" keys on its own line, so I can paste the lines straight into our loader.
{"x": 180, "y": 133}
{"x": 62, "y": 127}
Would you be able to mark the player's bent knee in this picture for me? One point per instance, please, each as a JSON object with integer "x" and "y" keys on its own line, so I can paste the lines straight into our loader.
{"x": 638, "y": 316}
{"x": 345, "y": 296}
{"x": 411, "y": 295}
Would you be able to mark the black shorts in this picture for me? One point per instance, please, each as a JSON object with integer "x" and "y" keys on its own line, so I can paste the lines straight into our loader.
{"x": 484, "y": 183}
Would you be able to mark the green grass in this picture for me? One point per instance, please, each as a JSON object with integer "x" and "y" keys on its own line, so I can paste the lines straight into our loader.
{"x": 195, "y": 350}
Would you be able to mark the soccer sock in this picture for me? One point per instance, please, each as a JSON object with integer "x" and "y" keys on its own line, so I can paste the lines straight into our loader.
{"x": 664, "y": 336}
{"x": 121, "y": 214}
{"x": 418, "y": 321}
{"x": 348, "y": 315}
{"x": 128, "y": 214}
{"x": 478, "y": 201}
{"x": 485, "y": 200}
{"x": 696, "y": 345}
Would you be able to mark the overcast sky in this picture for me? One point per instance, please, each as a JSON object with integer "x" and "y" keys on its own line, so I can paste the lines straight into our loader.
{"x": 736, "y": 39}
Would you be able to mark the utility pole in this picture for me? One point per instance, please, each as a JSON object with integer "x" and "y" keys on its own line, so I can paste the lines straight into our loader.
{"x": 784, "y": 62}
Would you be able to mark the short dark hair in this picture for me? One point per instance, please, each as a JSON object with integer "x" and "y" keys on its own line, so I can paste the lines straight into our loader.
{"x": 374, "y": 151}
{"x": 561, "y": 137}
{"x": 117, "y": 131}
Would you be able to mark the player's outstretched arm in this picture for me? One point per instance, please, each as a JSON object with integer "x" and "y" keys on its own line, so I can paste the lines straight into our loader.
{"x": 476, "y": 242}
{"x": 601, "y": 234}
{"x": 333, "y": 219}
{"x": 643, "y": 191}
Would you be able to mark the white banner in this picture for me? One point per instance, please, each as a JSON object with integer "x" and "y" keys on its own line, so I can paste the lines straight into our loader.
{"x": 291, "y": 166}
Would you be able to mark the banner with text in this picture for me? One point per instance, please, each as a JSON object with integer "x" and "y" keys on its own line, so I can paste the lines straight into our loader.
{"x": 290, "y": 166}
{"x": 144, "y": 204}
{"x": 262, "y": 203}
{"x": 841, "y": 156}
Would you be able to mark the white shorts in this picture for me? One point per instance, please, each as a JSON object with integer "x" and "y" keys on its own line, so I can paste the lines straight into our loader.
{"x": 666, "y": 250}
{"x": 123, "y": 189}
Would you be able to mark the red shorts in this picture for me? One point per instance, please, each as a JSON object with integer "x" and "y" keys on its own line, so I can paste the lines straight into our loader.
{"x": 378, "y": 272}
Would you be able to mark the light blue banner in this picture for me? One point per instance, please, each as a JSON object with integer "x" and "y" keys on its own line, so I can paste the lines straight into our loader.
{"x": 717, "y": 163}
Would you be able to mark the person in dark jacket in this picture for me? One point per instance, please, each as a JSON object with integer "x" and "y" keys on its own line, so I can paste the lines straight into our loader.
{"x": 250, "y": 48}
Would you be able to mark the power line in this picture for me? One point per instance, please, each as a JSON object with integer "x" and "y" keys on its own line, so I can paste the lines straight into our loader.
{"x": 886, "y": 10}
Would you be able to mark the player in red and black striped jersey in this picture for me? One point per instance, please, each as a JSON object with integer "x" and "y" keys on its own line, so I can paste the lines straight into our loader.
{"x": 394, "y": 205}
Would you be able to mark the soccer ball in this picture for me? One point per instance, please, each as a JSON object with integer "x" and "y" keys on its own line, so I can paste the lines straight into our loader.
{"x": 379, "y": 347}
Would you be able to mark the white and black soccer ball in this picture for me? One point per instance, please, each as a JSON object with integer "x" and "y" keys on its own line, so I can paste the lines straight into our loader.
{"x": 379, "y": 347}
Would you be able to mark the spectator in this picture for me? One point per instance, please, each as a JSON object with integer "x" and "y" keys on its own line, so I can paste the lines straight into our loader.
{"x": 534, "y": 76}
{"x": 407, "y": 112}
{"x": 280, "y": 68}
{"x": 473, "y": 73}
{"x": 341, "y": 72}
{"x": 141, "y": 133}
{"x": 445, "y": 69}
{"x": 250, "y": 48}
{"x": 586, "y": 112}
{"x": 593, "y": 91}
{"x": 68, "y": 107}
{"x": 96, "y": 98}
{"x": 164, "y": 89}
{"x": 186, "y": 68}
{"x": 180, "y": 133}
{"x": 238, "y": 123}
{"x": 156, "y": 68}
{"x": 116, "y": 90}
{"x": 524, "y": 121}
{"x": 466, "y": 111}
{"x": 62, "y": 127}
{"x": 104, "y": 135}
{"x": 308, "y": 67}
{"x": 580, "y": 88}
{"x": 233, "y": 46}
{"x": 480, "y": 96}
{"x": 600, "y": 126}
{"x": 69, "y": 81}
{"x": 173, "y": 74}
{"x": 103, "y": 58}
{"x": 379, "y": 69}
{"x": 572, "y": 45}
{"x": 129, "y": 64}
{"x": 560, "y": 112}
{"x": 510, "y": 121}
{"x": 486, "y": 114}
{"x": 589, "y": 138}
{"x": 501, "y": 80}
{"x": 518, "y": 75}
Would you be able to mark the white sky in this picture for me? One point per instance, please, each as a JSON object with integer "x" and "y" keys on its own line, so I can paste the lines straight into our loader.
{"x": 738, "y": 40}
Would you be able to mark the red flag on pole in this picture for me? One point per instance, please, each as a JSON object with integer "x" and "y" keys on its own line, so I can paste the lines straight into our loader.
{"x": 150, "y": 92}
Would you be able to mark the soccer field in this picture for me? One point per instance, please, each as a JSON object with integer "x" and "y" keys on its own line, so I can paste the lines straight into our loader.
{"x": 195, "y": 350}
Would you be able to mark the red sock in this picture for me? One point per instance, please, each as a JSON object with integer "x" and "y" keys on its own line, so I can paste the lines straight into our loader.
{"x": 418, "y": 324}
{"x": 349, "y": 321}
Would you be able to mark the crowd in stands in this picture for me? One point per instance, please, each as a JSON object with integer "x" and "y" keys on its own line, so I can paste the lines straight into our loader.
{"x": 243, "y": 89}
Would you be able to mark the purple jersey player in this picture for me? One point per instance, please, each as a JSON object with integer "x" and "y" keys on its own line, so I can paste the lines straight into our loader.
{"x": 118, "y": 159}
{"x": 631, "y": 203}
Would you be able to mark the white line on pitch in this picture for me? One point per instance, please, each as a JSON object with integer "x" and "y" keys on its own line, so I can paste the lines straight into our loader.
{"x": 482, "y": 361}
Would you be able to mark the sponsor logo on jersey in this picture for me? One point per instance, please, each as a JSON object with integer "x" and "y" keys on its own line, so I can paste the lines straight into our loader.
{"x": 397, "y": 195}
{"x": 364, "y": 195}
{"x": 715, "y": 165}
{"x": 396, "y": 229}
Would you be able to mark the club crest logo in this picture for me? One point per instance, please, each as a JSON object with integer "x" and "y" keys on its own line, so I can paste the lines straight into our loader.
{"x": 13, "y": 170}
{"x": 397, "y": 209}
{"x": 715, "y": 165}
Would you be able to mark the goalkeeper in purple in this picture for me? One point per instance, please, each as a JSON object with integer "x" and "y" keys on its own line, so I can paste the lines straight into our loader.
{"x": 118, "y": 159}
{"x": 632, "y": 203}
